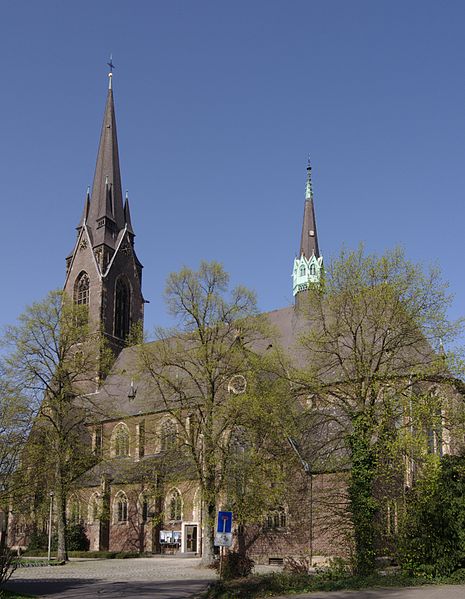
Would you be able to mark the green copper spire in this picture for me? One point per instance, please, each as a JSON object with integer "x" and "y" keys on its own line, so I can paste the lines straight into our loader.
{"x": 309, "y": 263}
{"x": 308, "y": 186}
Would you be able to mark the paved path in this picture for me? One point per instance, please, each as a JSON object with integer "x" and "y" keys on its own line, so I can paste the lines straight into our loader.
{"x": 169, "y": 578}
{"x": 153, "y": 577}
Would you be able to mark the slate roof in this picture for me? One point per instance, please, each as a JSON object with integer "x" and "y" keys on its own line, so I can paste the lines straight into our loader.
{"x": 122, "y": 471}
{"x": 114, "y": 397}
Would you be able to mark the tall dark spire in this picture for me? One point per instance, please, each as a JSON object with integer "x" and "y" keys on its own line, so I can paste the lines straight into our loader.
{"x": 309, "y": 237}
{"x": 106, "y": 213}
{"x": 104, "y": 249}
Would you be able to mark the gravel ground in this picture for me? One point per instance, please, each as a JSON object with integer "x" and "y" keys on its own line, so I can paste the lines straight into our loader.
{"x": 142, "y": 568}
{"x": 151, "y": 578}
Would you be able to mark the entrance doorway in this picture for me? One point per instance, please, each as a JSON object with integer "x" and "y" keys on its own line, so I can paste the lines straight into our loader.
{"x": 190, "y": 532}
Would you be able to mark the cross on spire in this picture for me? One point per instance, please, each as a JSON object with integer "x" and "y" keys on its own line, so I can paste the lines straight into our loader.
{"x": 110, "y": 64}
{"x": 110, "y": 74}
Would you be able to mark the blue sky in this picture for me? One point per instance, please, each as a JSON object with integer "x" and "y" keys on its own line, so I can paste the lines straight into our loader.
{"x": 218, "y": 105}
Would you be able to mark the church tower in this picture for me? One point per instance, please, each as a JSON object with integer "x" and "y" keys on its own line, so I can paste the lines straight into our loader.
{"x": 308, "y": 264}
{"x": 103, "y": 270}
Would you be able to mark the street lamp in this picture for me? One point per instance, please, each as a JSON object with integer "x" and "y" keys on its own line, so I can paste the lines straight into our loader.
{"x": 309, "y": 473}
{"x": 50, "y": 526}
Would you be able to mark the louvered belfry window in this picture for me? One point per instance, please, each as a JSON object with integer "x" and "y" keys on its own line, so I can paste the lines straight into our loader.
{"x": 122, "y": 308}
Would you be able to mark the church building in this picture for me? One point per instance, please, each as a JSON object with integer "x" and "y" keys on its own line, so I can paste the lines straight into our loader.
{"x": 104, "y": 273}
{"x": 124, "y": 502}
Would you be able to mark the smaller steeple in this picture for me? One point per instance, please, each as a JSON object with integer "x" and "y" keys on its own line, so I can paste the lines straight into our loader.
{"x": 309, "y": 237}
{"x": 309, "y": 262}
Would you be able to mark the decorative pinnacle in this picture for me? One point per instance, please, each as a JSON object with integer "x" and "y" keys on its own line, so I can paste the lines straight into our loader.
{"x": 308, "y": 186}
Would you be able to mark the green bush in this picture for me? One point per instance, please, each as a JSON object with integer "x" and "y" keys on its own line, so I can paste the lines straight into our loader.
{"x": 432, "y": 539}
{"x": 38, "y": 540}
{"x": 235, "y": 565}
{"x": 76, "y": 538}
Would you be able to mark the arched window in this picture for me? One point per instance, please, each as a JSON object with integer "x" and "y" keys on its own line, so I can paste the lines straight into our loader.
{"x": 74, "y": 510}
{"x": 93, "y": 514}
{"x": 120, "y": 507}
{"x": 120, "y": 441}
{"x": 168, "y": 435}
{"x": 175, "y": 505}
{"x": 81, "y": 289}
{"x": 302, "y": 271}
{"x": 122, "y": 308}
{"x": 312, "y": 269}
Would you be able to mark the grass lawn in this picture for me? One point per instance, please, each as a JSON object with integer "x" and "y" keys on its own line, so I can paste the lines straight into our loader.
{"x": 11, "y": 595}
{"x": 281, "y": 583}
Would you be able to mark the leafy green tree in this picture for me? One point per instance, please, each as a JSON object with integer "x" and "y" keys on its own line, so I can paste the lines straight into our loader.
{"x": 201, "y": 370}
{"x": 257, "y": 472}
{"x": 375, "y": 326}
{"x": 56, "y": 361}
{"x": 16, "y": 415}
{"x": 432, "y": 540}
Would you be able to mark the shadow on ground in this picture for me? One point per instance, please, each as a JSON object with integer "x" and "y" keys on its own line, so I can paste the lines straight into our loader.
{"x": 86, "y": 589}
{"x": 424, "y": 592}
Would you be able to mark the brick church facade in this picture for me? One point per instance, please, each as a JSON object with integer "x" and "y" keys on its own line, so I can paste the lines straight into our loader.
{"x": 104, "y": 273}
{"x": 122, "y": 501}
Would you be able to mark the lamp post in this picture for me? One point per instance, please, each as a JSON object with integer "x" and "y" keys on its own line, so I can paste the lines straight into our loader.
{"x": 50, "y": 526}
{"x": 309, "y": 473}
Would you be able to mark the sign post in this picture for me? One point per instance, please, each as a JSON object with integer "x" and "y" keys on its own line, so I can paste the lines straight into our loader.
{"x": 223, "y": 536}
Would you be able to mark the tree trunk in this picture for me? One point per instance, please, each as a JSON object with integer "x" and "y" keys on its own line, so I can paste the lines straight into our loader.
{"x": 60, "y": 495}
{"x": 241, "y": 541}
{"x": 363, "y": 505}
{"x": 208, "y": 533}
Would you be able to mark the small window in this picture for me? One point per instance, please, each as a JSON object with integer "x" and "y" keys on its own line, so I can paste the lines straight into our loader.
{"x": 302, "y": 271}
{"x": 276, "y": 519}
{"x": 141, "y": 439}
{"x": 97, "y": 441}
{"x": 168, "y": 435}
{"x": 121, "y": 507}
{"x": 145, "y": 509}
{"x": 312, "y": 269}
